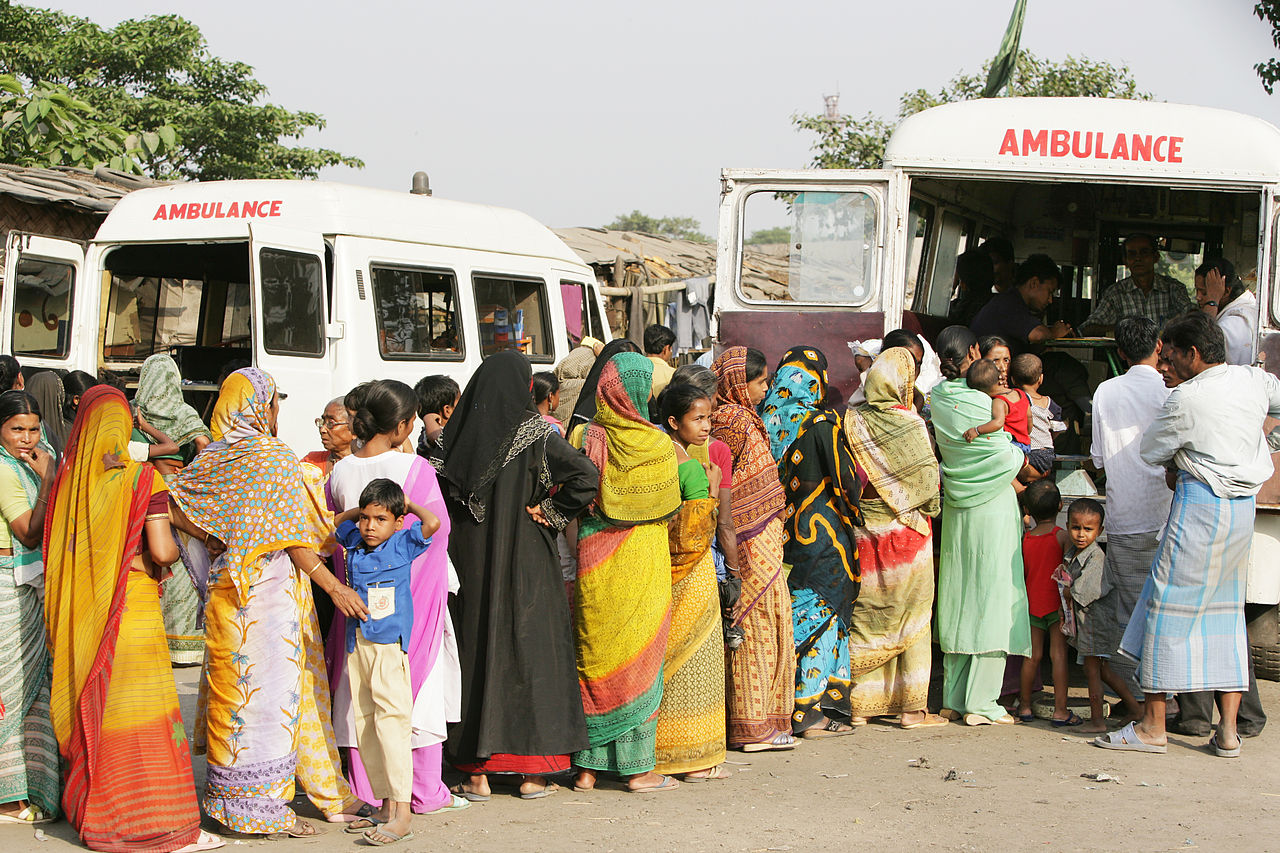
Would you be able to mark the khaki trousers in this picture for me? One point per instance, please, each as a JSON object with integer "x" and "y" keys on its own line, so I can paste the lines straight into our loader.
{"x": 382, "y": 702}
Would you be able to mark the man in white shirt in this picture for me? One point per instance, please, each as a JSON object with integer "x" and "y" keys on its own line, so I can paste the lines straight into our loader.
{"x": 1137, "y": 498}
{"x": 1187, "y": 630}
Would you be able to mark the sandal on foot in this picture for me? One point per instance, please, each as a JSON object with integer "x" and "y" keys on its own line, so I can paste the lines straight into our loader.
{"x": 545, "y": 791}
{"x": 1127, "y": 739}
{"x": 470, "y": 796}
{"x": 361, "y": 824}
{"x": 1223, "y": 752}
{"x": 1073, "y": 719}
{"x": 831, "y": 728}
{"x": 1028, "y": 717}
{"x": 300, "y": 829}
{"x": 455, "y": 804}
{"x": 929, "y": 721}
{"x": 204, "y": 841}
{"x": 779, "y": 741}
{"x": 351, "y": 817}
{"x": 668, "y": 783}
{"x": 26, "y": 816}
{"x": 395, "y": 839}
{"x": 717, "y": 772}
{"x": 948, "y": 714}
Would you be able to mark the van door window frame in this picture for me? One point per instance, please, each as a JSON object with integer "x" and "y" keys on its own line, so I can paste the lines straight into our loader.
{"x": 544, "y": 308}
{"x": 63, "y": 348}
{"x": 459, "y": 325}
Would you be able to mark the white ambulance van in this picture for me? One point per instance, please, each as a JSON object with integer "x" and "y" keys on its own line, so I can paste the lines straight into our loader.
{"x": 323, "y": 285}
{"x": 874, "y": 250}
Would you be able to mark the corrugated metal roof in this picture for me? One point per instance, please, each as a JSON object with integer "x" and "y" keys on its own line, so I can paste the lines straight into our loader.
{"x": 96, "y": 191}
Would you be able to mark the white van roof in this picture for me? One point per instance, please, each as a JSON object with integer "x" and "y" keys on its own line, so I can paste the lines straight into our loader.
{"x": 1089, "y": 138}
{"x": 222, "y": 210}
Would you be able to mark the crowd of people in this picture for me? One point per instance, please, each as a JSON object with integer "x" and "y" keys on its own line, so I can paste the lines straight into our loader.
{"x": 616, "y": 571}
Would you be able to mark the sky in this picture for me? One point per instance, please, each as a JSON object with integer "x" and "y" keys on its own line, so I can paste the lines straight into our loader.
{"x": 575, "y": 112}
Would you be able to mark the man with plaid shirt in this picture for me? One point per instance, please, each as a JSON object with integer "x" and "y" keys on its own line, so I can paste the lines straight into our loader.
{"x": 1142, "y": 293}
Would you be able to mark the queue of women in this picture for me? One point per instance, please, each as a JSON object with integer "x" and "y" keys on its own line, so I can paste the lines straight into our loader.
{"x": 755, "y": 568}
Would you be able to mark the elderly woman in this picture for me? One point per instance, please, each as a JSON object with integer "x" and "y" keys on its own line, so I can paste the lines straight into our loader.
{"x": 334, "y": 425}
{"x": 982, "y": 599}
{"x": 265, "y": 699}
{"x": 890, "y": 639}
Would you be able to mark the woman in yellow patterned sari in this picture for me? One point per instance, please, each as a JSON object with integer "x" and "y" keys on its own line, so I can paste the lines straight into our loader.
{"x": 264, "y": 697}
{"x": 114, "y": 707}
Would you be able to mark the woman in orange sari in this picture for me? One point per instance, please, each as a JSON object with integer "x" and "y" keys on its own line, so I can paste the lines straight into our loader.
{"x": 114, "y": 706}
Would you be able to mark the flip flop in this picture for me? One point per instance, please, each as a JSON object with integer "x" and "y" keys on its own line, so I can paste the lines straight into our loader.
{"x": 28, "y": 816}
{"x": 370, "y": 822}
{"x": 351, "y": 817}
{"x": 780, "y": 741}
{"x": 929, "y": 721}
{"x": 455, "y": 804}
{"x": 307, "y": 830}
{"x": 395, "y": 839}
{"x": 1126, "y": 739}
{"x": 668, "y": 783}
{"x": 1028, "y": 717}
{"x": 980, "y": 720}
{"x": 948, "y": 714}
{"x": 1073, "y": 719}
{"x": 715, "y": 773}
{"x": 832, "y": 728}
{"x": 1220, "y": 751}
{"x": 468, "y": 795}
{"x": 204, "y": 841}
{"x": 545, "y": 791}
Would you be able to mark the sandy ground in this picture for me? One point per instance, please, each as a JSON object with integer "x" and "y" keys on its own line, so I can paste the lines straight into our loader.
{"x": 1018, "y": 788}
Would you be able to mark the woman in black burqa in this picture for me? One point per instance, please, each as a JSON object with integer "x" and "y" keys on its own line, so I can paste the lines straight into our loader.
{"x": 521, "y": 704}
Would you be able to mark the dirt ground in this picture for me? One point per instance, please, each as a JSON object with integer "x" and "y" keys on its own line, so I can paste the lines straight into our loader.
{"x": 1016, "y": 788}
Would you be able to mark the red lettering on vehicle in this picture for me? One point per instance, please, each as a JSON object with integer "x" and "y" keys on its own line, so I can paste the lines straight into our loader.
{"x": 1010, "y": 143}
{"x": 233, "y": 212}
{"x": 1140, "y": 148}
{"x": 249, "y": 208}
{"x": 1076, "y": 150}
{"x": 1175, "y": 149}
{"x": 1097, "y": 146}
{"x": 1037, "y": 143}
{"x": 1058, "y": 143}
{"x": 1155, "y": 148}
{"x": 159, "y": 214}
{"x": 1120, "y": 151}
{"x": 275, "y": 207}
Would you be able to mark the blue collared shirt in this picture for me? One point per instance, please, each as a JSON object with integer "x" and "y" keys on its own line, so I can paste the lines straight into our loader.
{"x": 387, "y": 565}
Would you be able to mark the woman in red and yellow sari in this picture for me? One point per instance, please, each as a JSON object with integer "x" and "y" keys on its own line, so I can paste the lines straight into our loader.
{"x": 114, "y": 706}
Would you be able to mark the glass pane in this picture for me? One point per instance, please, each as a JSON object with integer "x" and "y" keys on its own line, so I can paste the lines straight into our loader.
{"x": 941, "y": 285}
{"x": 828, "y": 242}
{"x": 512, "y": 314}
{"x": 416, "y": 311}
{"x": 42, "y": 307}
{"x": 146, "y": 315}
{"x": 919, "y": 225}
{"x": 292, "y": 303}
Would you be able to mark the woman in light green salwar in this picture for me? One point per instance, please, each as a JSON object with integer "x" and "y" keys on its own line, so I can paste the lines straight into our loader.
{"x": 982, "y": 599}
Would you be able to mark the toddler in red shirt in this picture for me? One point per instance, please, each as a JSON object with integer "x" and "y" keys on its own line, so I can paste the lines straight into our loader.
{"x": 1042, "y": 549}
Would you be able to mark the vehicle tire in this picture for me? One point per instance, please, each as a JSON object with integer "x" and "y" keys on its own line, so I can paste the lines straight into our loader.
{"x": 1263, "y": 625}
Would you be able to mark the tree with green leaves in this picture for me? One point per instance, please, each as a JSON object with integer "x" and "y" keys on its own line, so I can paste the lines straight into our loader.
{"x": 148, "y": 91}
{"x": 765, "y": 236}
{"x": 676, "y": 227}
{"x": 858, "y": 143}
{"x": 1268, "y": 11}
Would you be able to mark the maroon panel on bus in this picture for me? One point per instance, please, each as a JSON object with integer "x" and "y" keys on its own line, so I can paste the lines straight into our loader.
{"x": 774, "y": 332}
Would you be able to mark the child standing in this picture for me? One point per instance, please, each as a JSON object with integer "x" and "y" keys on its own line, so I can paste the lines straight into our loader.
{"x": 379, "y": 555}
{"x": 1044, "y": 416}
{"x": 437, "y": 395}
{"x": 546, "y": 397}
{"x": 1090, "y": 593}
{"x": 1042, "y": 548}
{"x": 1008, "y": 408}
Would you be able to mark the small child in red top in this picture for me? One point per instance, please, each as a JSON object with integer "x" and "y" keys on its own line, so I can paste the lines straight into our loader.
{"x": 1042, "y": 549}
{"x": 1008, "y": 408}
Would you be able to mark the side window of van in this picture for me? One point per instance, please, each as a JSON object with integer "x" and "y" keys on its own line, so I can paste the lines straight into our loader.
{"x": 42, "y": 308}
{"x": 417, "y": 312}
{"x": 512, "y": 314}
{"x": 825, "y": 242}
{"x": 292, "y": 303}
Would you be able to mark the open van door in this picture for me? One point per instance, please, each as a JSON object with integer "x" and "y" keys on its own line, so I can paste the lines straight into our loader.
{"x": 38, "y": 321}
{"x": 291, "y": 332}
{"x": 1262, "y": 588}
{"x": 810, "y": 257}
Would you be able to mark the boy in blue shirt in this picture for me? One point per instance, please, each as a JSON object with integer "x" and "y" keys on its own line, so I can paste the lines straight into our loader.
{"x": 380, "y": 552}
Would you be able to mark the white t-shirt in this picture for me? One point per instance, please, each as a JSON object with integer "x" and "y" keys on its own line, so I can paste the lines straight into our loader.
{"x": 1123, "y": 408}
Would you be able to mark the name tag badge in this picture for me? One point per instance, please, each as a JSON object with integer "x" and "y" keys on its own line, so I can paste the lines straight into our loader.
{"x": 382, "y": 601}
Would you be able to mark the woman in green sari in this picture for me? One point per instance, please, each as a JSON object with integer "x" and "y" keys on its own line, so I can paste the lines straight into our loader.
{"x": 982, "y": 600}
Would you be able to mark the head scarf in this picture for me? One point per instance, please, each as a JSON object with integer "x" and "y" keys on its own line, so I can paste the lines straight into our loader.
{"x": 494, "y": 422}
{"x": 159, "y": 398}
{"x": 799, "y": 387}
{"x": 585, "y": 410}
{"x": 92, "y": 532}
{"x": 248, "y": 488}
{"x": 46, "y": 387}
{"x": 572, "y": 371}
{"x": 637, "y": 462}
{"x": 890, "y": 441}
{"x": 757, "y": 492}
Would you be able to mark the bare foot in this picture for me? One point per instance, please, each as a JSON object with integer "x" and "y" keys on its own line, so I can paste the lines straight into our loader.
{"x": 534, "y": 784}
{"x": 585, "y": 780}
{"x": 1098, "y": 728}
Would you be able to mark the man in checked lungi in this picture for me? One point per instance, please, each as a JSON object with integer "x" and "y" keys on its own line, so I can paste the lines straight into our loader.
{"x": 1187, "y": 630}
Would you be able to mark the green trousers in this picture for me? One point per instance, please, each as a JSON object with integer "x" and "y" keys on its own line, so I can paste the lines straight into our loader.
{"x": 971, "y": 684}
